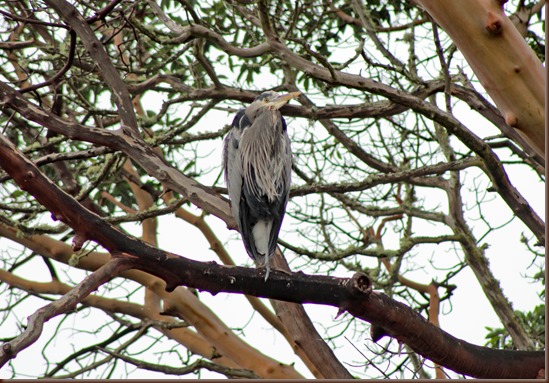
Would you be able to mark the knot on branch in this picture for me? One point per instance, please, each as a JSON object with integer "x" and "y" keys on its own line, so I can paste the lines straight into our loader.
{"x": 7, "y": 349}
{"x": 360, "y": 284}
{"x": 511, "y": 119}
{"x": 494, "y": 24}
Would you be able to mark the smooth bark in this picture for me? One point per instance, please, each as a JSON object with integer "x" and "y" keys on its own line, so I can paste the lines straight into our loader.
{"x": 505, "y": 65}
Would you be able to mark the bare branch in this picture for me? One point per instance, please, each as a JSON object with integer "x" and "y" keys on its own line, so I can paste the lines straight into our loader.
{"x": 353, "y": 295}
{"x": 195, "y": 367}
{"x": 36, "y": 322}
{"x": 94, "y": 47}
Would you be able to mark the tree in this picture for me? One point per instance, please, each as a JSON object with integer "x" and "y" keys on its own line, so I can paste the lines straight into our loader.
{"x": 113, "y": 115}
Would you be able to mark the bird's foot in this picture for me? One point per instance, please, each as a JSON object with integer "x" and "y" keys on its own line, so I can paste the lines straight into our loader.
{"x": 268, "y": 269}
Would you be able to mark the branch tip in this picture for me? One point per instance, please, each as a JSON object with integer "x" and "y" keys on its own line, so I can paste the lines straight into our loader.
{"x": 340, "y": 311}
{"x": 377, "y": 332}
{"x": 78, "y": 242}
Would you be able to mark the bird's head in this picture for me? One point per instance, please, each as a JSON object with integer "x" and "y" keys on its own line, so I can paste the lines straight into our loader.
{"x": 273, "y": 100}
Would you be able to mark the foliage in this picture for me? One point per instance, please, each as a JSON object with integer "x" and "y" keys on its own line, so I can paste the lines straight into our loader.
{"x": 534, "y": 322}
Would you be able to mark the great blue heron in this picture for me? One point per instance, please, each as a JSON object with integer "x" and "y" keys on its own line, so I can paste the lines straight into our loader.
{"x": 257, "y": 160}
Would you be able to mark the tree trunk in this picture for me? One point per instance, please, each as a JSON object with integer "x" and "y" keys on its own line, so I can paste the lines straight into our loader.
{"x": 503, "y": 62}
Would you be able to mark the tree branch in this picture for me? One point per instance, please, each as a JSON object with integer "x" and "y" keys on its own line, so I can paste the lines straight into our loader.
{"x": 66, "y": 303}
{"x": 512, "y": 74}
{"x": 62, "y": 71}
{"x": 493, "y": 167}
{"x": 231, "y": 373}
{"x": 380, "y": 179}
{"x": 95, "y": 48}
{"x": 134, "y": 147}
{"x": 353, "y": 295}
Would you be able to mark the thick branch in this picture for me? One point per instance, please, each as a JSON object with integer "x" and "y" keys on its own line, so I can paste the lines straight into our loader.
{"x": 133, "y": 147}
{"x": 512, "y": 74}
{"x": 306, "y": 336}
{"x": 353, "y": 295}
{"x": 195, "y": 342}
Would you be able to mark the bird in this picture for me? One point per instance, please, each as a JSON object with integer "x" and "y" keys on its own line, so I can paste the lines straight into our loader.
{"x": 257, "y": 162}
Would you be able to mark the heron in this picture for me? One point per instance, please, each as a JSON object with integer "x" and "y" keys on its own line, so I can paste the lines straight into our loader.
{"x": 257, "y": 161}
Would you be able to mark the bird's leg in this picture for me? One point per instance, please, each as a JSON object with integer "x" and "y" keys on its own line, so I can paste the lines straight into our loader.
{"x": 267, "y": 270}
{"x": 267, "y": 265}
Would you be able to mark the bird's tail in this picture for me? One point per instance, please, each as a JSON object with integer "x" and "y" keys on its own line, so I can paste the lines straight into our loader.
{"x": 261, "y": 234}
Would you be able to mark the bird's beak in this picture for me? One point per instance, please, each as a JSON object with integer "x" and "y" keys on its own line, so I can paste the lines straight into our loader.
{"x": 282, "y": 100}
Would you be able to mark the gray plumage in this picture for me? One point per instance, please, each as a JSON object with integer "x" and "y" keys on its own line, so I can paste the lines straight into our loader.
{"x": 257, "y": 160}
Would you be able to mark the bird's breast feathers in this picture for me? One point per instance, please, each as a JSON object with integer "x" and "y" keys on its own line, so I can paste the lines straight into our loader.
{"x": 264, "y": 164}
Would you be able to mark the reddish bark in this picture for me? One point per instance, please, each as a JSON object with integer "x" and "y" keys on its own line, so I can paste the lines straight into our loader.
{"x": 505, "y": 65}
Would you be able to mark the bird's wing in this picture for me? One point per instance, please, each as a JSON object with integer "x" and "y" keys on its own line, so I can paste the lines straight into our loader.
{"x": 262, "y": 217}
{"x": 247, "y": 221}
{"x": 284, "y": 193}
{"x": 253, "y": 207}
{"x": 232, "y": 165}
{"x": 242, "y": 202}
